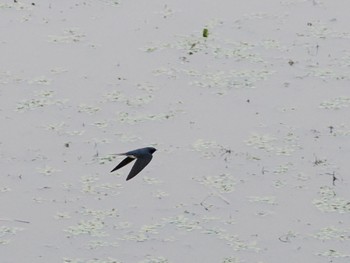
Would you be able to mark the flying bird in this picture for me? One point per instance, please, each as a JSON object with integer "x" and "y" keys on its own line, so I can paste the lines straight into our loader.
{"x": 142, "y": 156}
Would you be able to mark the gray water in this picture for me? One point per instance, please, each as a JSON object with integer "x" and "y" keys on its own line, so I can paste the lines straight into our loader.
{"x": 251, "y": 123}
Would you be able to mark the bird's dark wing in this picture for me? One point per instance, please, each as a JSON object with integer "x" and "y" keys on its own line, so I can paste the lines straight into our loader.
{"x": 139, "y": 165}
{"x": 123, "y": 163}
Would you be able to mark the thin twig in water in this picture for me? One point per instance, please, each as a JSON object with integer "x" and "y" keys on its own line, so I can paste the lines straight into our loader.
{"x": 206, "y": 207}
{"x": 333, "y": 178}
{"x": 15, "y": 220}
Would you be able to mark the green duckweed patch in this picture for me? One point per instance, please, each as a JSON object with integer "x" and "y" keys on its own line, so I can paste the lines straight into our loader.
{"x": 224, "y": 183}
{"x": 42, "y": 99}
{"x": 332, "y": 253}
{"x": 333, "y": 233}
{"x": 269, "y": 143}
{"x": 336, "y": 103}
{"x": 271, "y": 200}
{"x": 70, "y": 35}
{"x": 328, "y": 201}
{"x": 94, "y": 225}
{"x": 207, "y": 148}
{"x": 7, "y": 233}
{"x": 95, "y": 260}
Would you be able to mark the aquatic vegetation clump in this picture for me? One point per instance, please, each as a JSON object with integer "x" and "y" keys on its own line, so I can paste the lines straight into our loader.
{"x": 329, "y": 202}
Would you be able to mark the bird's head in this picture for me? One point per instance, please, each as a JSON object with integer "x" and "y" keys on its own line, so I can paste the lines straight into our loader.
{"x": 151, "y": 149}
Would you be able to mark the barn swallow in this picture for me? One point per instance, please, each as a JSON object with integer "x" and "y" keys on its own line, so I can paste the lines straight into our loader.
{"x": 143, "y": 156}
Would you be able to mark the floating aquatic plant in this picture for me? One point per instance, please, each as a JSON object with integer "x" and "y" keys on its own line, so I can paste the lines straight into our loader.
{"x": 41, "y": 81}
{"x": 152, "y": 259}
{"x": 336, "y": 103}
{"x": 88, "y": 108}
{"x": 282, "y": 168}
{"x": 7, "y": 77}
{"x": 20, "y": 6}
{"x": 4, "y": 241}
{"x": 271, "y": 200}
{"x": 118, "y": 96}
{"x": 58, "y": 70}
{"x": 332, "y": 253}
{"x": 126, "y": 117}
{"x": 71, "y": 35}
{"x": 340, "y": 130}
{"x": 101, "y": 124}
{"x": 160, "y": 194}
{"x": 182, "y": 222}
{"x": 93, "y": 227}
{"x": 6, "y": 232}
{"x": 95, "y": 260}
{"x": 223, "y": 80}
{"x": 261, "y": 141}
{"x": 106, "y": 159}
{"x": 151, "y": 229}
{"x": 231, "y": 260}
{"x": 94, "y": 244}
{"x": 122, "y": 225}
{"x": 101, "y": 214}
{"x": 331, "y": 232}
{"x": 329, "y": 202}
{"x": 111, "y": 2}
{"x": 62, "y": 215}
{"x": 208, "y": 149}
{"x": 284, "y": 146}
{"x": 55, "y": 126}
{"x": 318, "y": 29}
{"x": 42, "y": 99}
{"x": 279, "y": 183}
{"x": 4, "y": 189}
{"x": 232, "y": 240}
{"x": 205, "y": 32}
{"x": 224, "y": 183}
{"x": 151, "y": 180}
{"x": 47, "y": 170}
{"x": 139, "y": 237}
{"x": 91, "y": 186}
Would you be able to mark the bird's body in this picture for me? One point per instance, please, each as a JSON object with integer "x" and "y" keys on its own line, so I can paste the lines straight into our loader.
{"x": 142, "y": 156}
